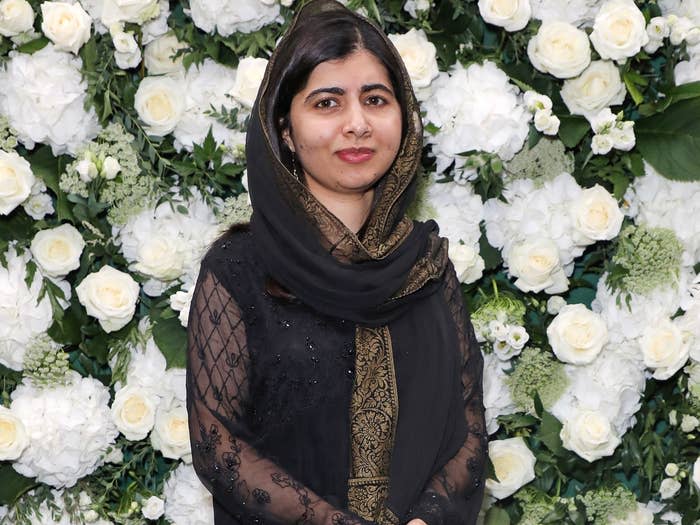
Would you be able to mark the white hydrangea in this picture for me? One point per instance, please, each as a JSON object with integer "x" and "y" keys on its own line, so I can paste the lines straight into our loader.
{"x": 43, "y": 97}
{"x": 181, "y": 301}
{"x": 580, "y": 13}
{"x": 612, "y": 385}
{"x": 458, "y": 211}
{"x": 687, "y": 71}
{"x": 69, "y": 429}
{"x": 22, "y": 315}
{"x": 224, "y": 17}
{"x": 476, "y": 108}
{"x": 663, "y": 203}
{"x": 529, "y": 211}
{"x": 187, "y": 501}
{"x": 207, "y": 86}
{"x": 164, "y": 243}
{"x": 497, "y": 397}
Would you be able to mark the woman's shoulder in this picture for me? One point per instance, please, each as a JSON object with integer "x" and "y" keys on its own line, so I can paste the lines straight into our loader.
{"x": 234, "y": 250}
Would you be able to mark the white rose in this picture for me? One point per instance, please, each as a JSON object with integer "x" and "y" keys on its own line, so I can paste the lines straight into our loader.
{"x": 86, "y": 169}
{"x": 696, "y": 473}
{"x": 135, "y": 11}
{"x": 668, "y": 488}
{"x": 511, "y": 15}
{"x": 134, "y": 412}
{"x": 249, "y": 75}
{"x": 545, "y": 122}
{"x": 514, "y": 465}
{"x": 601, "y": 144}
{"x": 127, "y": 53}
{"x": 619, "y": 30}
{"x": 560, "y": 49}
{"x": 589, "y": 434}
{"x": 16, "y": 16}
{"x": 160, "y": 257}
{"x": 598, "y": 87}
{"x": 689, "y": 423}
{"x": 577, "y": 335}
{"x": 160, "y": 103}
{"x": 535, "y": 263}
{"x": 157, "y": 56}
{"x": 596, "y": 215}
{"x": 171, "y": 434}
{"x": 468, "y": 264}
{"x": 110, "y": 168}
{"x": 13, "y": 436}
{"x": 671, "y": 469}
{"x": 57, "y": 251}
{"x": 153, "y": 508}
{"x": 418, "y": 55}
{"x": 110, "y": 296}
{"x": 66, "y": 25}
{"x": 664, "y": 348}
{"x": 16, "y": 181}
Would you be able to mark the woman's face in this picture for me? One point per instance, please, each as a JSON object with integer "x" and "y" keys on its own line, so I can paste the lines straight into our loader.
{"x": 345, "y": 125}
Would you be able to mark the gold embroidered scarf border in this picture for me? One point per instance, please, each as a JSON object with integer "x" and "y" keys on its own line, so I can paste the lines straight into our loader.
{"x": 374, "y": 412}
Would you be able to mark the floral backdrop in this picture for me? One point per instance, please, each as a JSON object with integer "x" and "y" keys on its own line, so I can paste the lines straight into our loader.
{"x": 562, "y": 161}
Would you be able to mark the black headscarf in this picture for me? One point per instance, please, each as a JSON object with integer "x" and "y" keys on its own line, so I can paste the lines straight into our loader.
{"x": 384, "y": 279}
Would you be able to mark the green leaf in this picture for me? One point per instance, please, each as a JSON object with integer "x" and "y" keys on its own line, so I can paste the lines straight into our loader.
{"x": 497, "y": 516}
{"x": 572, "y": 129}
{"x": 171, "y": 338}
{"x": 548, "y": 433}
{"x": 632, "y": 89}
{"x": 13, "y": 484}
{"x": 670, "y": 141}
{"x": 34, "y": 46}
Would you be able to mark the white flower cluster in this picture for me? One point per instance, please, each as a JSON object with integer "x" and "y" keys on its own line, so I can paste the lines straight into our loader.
{"x": 180, "y": 103}
{"x": 166, "y": 243}
{"x": 541, "y": 108}
{"x": 610, "y": 131}
{"x": 497, "y": 397}
{"x": 244, "y": 16}
{"x": 152, "y": 400}
{"x": 660, "y": 202}
{"x": 210, "y": 85}
{"x": 23, "y": 315}
{"x": 541, "y": 230}
{"x": 43, "y": 97}
{"x": 476, "y": 108}
{"x": 579, "y": 13}
{"x": 187, "y": 501}
{"x": 68, "y": 426}
{"x": 458, "y": 211}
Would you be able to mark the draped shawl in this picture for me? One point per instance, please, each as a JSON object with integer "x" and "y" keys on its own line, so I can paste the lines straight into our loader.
{"x": 405, "y": 415}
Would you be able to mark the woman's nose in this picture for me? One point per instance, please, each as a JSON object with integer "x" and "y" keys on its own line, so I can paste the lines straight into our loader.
{"x": 357, "y": 122}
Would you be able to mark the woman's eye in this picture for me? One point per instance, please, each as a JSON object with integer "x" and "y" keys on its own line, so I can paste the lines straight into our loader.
{"x": 326, "y": 103}
{"x": 375, "y": 100}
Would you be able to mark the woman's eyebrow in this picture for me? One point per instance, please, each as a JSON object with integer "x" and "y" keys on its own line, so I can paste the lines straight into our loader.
{"x": 341, "y": 91}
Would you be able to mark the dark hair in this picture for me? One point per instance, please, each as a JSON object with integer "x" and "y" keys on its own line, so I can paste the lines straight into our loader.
{"x": 323, "y": 36}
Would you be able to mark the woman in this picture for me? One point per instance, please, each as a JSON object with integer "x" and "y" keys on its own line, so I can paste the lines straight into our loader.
{"x": 333, "y": 374}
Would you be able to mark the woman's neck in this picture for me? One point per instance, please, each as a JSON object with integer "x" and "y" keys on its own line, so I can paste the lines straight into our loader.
{"x": 352, "y": 209}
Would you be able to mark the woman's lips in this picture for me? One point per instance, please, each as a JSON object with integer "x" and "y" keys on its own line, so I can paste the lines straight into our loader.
{"x": 355, "y": 155}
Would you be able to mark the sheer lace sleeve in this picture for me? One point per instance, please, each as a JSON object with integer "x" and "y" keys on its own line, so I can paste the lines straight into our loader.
{"x": 454, "y": 494}
{"x": 250, "y": 487}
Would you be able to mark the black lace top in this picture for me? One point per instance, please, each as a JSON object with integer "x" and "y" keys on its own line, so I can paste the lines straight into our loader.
{"x": 269, "y": 385}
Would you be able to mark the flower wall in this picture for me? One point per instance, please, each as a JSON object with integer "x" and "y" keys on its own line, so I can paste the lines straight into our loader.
{"x": 562, "y": 161}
